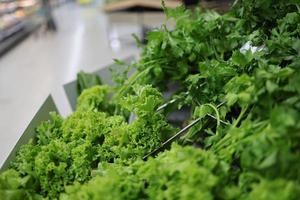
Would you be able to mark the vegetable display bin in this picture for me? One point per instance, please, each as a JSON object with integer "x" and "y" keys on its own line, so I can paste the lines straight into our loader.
{"x": 50, "y": 106}
{"x": 29, "y": 133}
{"x": 176, "y": 118}
{"x": 105, "y": 75}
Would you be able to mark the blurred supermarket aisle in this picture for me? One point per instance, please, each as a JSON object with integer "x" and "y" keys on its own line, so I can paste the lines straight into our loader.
{"x": 42, "y": 63}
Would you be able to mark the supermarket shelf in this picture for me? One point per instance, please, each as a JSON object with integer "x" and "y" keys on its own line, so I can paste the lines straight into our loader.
{"x": 13, "y": 13}
{"x": 18, "y": 34}
{"x": 28, "y": 3}
{"x": 8, "y": 7}
{"x": 12, "y": 6}
{"x": 13, "y": 28}
{"x": 18, "y": 18}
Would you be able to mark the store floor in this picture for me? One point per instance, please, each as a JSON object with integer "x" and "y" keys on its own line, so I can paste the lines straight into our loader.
{"x": 43, "y": 62}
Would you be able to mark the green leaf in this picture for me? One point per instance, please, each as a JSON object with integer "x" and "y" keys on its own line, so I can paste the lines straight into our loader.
{"x": 269, "y": 161}
{"x": 87, "y": 80}
{"x": 231, "y": 99}
{"x": 202, "y": 111}
{"x": 242, "y": 59}
{"x": 271, "y": 86}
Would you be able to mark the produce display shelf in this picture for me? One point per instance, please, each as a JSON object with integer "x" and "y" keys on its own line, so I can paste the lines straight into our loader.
{"x": 13, "y": 28}
{"x": 104, "y": 73}
{"x": 50, "y": 106}
{"x": 15, "y": 37}
{"x": 11, "y": 37}
{"x": 29, "y": 133}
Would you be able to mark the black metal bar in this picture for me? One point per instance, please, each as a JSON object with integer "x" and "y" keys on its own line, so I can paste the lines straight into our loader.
{"x": 178, "y": 134}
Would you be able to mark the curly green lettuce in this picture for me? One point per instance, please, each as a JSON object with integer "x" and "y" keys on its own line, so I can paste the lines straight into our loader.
{"x": 95, "y": 98}
{"x": 181, "y": 173}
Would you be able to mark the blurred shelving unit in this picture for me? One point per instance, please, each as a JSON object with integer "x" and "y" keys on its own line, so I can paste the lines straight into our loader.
{"x": 18, "y": 18}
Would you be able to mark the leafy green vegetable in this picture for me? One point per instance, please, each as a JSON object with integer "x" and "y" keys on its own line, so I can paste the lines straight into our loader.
{"x": 183, "y": 173}
{"x": 87, "y": 80}
{"x": 114, "y": 182}
{"x": 245, "y": 145}
{"x": 277, "y": 189}
{"x": 13, "y": 186}
{"x": 172, "y": 175}
{"x": 67, "y": 150}
{"x": 95, "y": 99}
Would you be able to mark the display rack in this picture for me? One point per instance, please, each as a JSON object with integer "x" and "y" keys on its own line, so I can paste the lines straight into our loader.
{"x": 17, "y": 19}
{"x": 14, "y": 15}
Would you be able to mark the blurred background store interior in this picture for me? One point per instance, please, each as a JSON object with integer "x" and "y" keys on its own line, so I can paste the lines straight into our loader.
{"x": 89, "y": 34}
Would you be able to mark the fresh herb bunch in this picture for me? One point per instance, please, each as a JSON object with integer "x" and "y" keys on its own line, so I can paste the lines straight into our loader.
{"x": 172, "y": 55}
{"x": 198, "y": 36}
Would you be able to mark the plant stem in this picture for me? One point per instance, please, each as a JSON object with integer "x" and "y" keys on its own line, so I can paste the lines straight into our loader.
{"x": 240, "y": 116}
